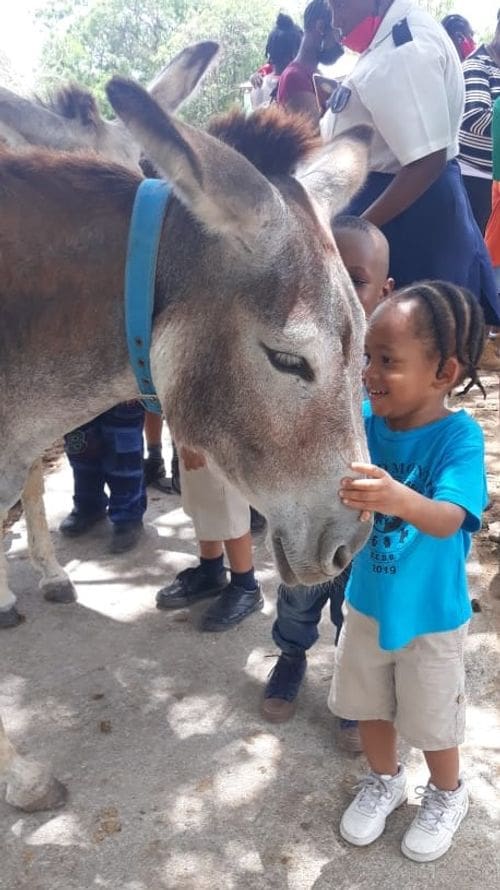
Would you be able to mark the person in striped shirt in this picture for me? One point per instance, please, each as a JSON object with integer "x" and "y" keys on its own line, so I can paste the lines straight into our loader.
{"x": 482, "y": 87}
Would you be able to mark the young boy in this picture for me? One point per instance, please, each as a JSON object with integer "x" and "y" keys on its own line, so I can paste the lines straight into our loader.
{"x": 399, "y": 663}
{"x": 365, "y": 253}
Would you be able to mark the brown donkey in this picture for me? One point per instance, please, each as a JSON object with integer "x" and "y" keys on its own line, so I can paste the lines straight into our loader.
{"x": 257, "y": 339}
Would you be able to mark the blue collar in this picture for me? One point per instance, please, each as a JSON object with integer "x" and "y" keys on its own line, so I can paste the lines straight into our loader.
{"x": 146, "y": 223}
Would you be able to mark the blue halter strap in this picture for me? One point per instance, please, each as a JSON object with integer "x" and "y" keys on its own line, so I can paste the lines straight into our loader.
{"x": 150, "y": 204}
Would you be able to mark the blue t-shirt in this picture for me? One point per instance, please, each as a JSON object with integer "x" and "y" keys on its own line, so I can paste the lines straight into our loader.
{"x": 409, "y": 582}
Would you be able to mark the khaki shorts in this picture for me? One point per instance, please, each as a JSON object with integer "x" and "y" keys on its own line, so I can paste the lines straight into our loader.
{"x": 218, "y": 511}
{"x": 419, "y": 688}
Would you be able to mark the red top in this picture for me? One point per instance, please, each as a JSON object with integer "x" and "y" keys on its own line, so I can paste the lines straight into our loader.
{"x": 296, "y": 78}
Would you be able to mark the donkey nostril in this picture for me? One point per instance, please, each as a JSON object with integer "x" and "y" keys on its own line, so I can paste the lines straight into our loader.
{"x": 342, "y": 557}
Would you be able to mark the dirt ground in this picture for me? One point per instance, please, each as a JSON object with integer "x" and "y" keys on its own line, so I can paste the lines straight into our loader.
{"x": 174, "y": 780}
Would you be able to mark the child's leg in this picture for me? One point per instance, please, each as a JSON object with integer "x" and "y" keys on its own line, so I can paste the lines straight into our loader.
{"x": 363, "y": 689}
{"x": 240, "y": 554}
{"x": 210, "y": 549}
{"x": 347, "y": 734}
{"x": 204, "y": 500}
{"x": 122, "y": 429}
{"x": 337, "y": 591}
{"x": 84, "y": 448}
{"x": 154, "y": 466}
{"x": 431, "y": 716}
{"x": 444, "y": 768}
{"x": 298, "y": 614}
{"x": 379, "y": 740}
{"x": 242, "y": 596}
{"x": 294, "y": 631}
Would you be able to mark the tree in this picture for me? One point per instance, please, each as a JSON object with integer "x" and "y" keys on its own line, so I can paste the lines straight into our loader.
{"x": 241, "y": 30}
{"x": 437, "y": 8}
{"x": 88, "y": 42}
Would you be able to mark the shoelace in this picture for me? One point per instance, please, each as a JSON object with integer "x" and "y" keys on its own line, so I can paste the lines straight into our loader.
{"x": 433, "y": 807}
{"x": 372, "y": 789}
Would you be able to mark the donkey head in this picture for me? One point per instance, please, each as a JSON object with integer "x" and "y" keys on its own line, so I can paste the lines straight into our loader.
{"x": 257, "y": 350}
{"x": 71, "y": 121}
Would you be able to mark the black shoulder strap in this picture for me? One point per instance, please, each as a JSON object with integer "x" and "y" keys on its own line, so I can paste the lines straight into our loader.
{"x": 401, "y": 33}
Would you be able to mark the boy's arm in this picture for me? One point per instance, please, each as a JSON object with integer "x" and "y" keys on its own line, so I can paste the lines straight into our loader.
{"x": 379, "y": 492}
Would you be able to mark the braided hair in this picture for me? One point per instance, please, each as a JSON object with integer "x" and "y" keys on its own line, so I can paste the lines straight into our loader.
{"x": 449, "y": 321}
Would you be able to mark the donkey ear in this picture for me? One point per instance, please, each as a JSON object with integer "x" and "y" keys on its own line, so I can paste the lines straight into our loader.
{"x": 218, "y": 185}
{"x": 24, "y": 121}
{"x": 183, "y": 73}
{"x": 339, "y": 171}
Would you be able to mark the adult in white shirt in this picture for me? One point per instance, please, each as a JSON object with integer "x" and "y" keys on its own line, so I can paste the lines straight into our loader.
{"x": 408, "y": 85}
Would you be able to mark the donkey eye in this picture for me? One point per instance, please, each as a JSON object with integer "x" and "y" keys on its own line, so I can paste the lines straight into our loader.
{"x": 289, "y": 363}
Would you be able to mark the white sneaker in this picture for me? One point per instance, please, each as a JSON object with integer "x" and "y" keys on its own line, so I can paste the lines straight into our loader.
{"x": 431, "y": 832}
{"x": 364, "y": 820}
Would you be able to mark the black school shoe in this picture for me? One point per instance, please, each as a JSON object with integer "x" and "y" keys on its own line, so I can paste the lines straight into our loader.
{"x": 77, "y": 523}
{"x": 233, "y": 605}
{"x": 125, "y": 536}
{"x": 189, "y": 587}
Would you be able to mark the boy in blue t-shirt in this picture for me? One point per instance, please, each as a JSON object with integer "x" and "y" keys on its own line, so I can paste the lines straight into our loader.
{"x": 365, "y": 252}
{"x": 399, "y": 661}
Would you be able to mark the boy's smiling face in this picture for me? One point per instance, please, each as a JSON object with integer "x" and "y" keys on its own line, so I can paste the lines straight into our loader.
{"x": 401, "y": 377}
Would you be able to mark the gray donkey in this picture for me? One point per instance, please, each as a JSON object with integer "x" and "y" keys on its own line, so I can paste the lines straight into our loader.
{"x": 70, "y": 121}
{"x": 257, "y": 338}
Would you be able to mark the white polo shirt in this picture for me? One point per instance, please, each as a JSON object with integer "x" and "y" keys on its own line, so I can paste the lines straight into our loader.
{"x": 412, "y": 95}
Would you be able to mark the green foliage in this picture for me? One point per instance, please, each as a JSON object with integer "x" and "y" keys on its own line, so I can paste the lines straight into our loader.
{"x": 90, "y": 40}
{"x": 437, "y": 8}
{"x": 241, "y": 30}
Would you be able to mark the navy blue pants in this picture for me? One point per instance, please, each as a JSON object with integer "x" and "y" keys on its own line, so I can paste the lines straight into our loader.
{"x": 109, "y": 451}
{"x": 299, "y": 612}
{"x": 436, "y": 238}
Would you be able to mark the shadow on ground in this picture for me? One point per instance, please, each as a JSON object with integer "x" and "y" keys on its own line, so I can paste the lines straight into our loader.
{"x": 175, "y": 781}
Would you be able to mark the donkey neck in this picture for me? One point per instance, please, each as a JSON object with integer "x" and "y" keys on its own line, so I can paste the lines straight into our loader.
{"x": 63, "y": 239}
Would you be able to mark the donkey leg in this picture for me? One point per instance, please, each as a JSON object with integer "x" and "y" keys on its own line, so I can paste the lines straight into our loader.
{"x": 30, "y": 786}
{"x": 9, "y": 616}
{"x": 55, "y": 584}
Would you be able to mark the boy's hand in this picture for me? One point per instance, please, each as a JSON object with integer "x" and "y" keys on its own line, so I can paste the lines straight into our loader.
{"x": 192, "y": 460}
{"x": 378, "y": 493}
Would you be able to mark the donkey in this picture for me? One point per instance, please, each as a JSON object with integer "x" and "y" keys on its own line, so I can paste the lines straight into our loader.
{"x": 257, "y": 333}
{"x": 70, "y": 121}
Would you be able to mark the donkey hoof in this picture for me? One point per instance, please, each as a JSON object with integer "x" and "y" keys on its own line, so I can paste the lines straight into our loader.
{"x": 59, "y": 592}
{"x": 52, "y": 797}
{"x": 11, "y": 617}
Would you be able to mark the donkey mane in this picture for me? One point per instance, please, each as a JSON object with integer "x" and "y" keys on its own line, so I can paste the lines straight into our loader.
{"x": 272, "y": 139}
{"x": 74, "y": 103}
